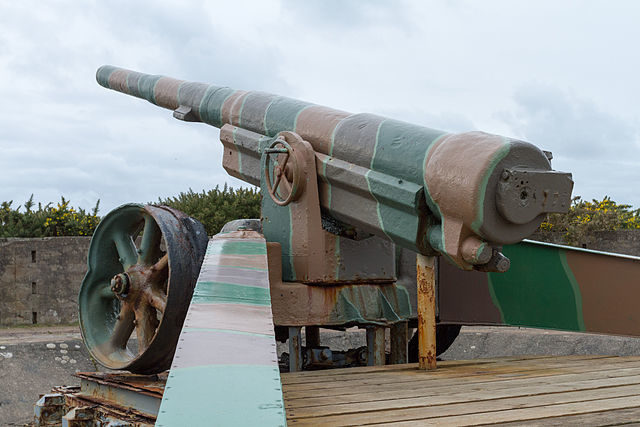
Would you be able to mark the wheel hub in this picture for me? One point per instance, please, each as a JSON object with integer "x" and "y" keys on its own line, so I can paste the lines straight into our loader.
{"x": 120, "y": 284}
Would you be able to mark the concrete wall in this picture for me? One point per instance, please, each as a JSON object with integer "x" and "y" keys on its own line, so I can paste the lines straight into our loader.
{"x": 40, "y": 279}
{"x": 621, "y": 242}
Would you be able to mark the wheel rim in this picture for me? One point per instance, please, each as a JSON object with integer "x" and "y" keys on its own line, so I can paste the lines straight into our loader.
{"x": 134, "y": 297}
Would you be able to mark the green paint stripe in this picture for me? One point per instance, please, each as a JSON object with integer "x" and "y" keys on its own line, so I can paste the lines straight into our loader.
{"x": 205, "y": 99}
{"x": 242, "y": 267}
{"x": 230, "y": 290}
{"x": 326, "y": 161}
{"x": 500, "y": 154}
{"x": 104, "y": 74}
{"x": 197, "y": 299}
{"x": 223, "y": 395}
{"x": 366, "y": 177}
{"x": 237, "y": 248}
{"x": 577, "y": 294}
{"x": 228, "y": 331}
{"x": 294, "y": 274}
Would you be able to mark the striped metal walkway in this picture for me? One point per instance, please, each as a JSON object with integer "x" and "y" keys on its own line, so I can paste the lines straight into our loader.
{"x": 225, "y": 370}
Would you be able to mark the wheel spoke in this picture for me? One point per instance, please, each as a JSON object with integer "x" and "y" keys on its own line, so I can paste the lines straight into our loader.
{"x": 126, "y": 250}
{"x": 287, "y": 185}
{"x": 123, "y": 328}
{"x": 106, "y": 292}
{"x": 150, "y": 244}
{"x": 157, "y": 299}
{"x": 281, "y": 170}
{"x": 146, "y": 324}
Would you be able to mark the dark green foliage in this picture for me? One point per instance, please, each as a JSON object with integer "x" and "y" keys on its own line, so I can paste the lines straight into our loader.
{"x": 216, "y": 207}
{"x": 47, "y": 220}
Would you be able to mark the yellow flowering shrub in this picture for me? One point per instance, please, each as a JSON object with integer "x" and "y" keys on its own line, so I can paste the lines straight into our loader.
{"x": 586, "y": 217}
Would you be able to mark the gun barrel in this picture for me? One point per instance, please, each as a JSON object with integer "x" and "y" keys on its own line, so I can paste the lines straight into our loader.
{"x": 422, "y": 188}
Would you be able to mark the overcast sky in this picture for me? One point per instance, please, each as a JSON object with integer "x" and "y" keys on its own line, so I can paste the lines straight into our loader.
{"x": 562, "y": 75}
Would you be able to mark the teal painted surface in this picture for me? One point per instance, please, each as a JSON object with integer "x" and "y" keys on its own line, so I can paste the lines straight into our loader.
{"x": 282, "y": 114}
{"x": 238, "y": 248}
{"x": 207, "y": 292}
{"x": 211, "y": 105}
{"x": 371, "y": 305}
{"x": 539, "y": 290}
{"x": 224, "y": 396}
{"x": 400, "y": 140}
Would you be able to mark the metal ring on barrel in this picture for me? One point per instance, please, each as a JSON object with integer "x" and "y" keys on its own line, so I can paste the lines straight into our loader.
{"x": 143, "y": 265}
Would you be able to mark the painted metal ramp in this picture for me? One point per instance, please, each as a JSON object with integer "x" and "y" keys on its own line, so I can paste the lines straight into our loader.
{"x": 225, "y": 369}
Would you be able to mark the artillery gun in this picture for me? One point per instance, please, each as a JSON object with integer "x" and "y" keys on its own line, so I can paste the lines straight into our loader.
{"x": 340, "y": 192}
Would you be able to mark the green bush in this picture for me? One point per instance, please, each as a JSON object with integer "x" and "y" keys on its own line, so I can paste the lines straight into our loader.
{"x": 216, "y": 207}
{"x": 47, "y": 220}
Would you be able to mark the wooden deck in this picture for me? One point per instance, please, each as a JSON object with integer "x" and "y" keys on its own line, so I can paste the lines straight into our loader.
{"x": 584, "y": 390}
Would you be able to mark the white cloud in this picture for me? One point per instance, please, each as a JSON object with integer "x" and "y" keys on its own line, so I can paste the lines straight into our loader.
{"x": 456, "y": 65}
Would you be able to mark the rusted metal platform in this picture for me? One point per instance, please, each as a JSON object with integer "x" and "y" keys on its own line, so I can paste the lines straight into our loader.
{"x": 585, "y": 390}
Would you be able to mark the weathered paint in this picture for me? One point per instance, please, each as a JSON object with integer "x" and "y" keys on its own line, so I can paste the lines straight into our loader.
{"x": 366, "y": 303}
{"x": 549, "y": 286}
{"x": 226, "y": 361}
{"x": 422, "y": 188}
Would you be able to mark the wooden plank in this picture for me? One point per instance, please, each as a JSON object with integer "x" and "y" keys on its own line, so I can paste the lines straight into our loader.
{"x": 458, "y": 375}
{"x": 463, "y": 393}
{"x": 349, "y": 373}
{"x": 468, "y": 398}
{"x": 505, "y": 370}
{"x": 286, "y": 377}
{"x": 471, "y": 383}
{"x": 467, "y": 413}
{"x": 478, "y": 382}
{"x": 611, "y": 417}
{"x": 529, "y": 414}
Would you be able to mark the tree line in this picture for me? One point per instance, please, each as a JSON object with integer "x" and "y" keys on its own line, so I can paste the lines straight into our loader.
{"x": 217, "y": 206}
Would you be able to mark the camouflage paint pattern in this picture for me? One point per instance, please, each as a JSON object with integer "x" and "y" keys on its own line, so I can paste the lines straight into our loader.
{"x": 422, "y": 188}
{"x": 548, "y": 286}
{"x": 297, "y": 304}
{"x": 225, "y": 370}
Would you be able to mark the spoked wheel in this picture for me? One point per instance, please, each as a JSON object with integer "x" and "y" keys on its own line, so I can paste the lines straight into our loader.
{"x": 143, "y": 266}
